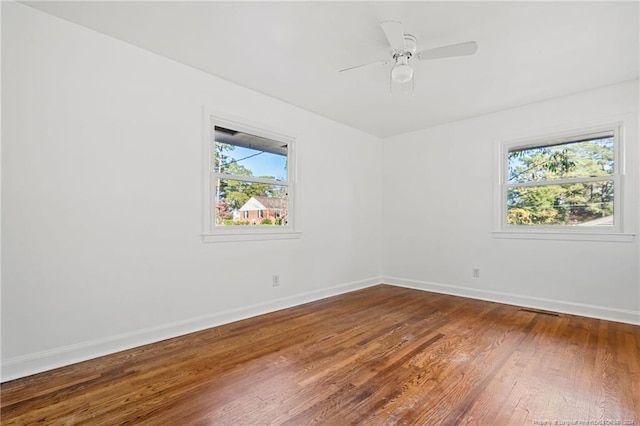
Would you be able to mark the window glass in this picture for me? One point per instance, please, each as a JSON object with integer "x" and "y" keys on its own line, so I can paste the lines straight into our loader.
{"x": 243, "y": 154}
{"x": 250, "y": 179}
{"x": 587, "y": 204}
{"x": 571, "y": 182}
{"x": 589, "y": 158}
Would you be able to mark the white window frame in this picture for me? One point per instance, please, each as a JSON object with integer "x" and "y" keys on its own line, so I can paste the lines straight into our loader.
{"x": 214, "y": 233}
{"x": 617, "y": 232}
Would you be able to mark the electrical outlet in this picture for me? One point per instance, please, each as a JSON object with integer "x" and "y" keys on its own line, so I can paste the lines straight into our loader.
{"x": 275, "y": 280}
{"x": 476, "y": 272}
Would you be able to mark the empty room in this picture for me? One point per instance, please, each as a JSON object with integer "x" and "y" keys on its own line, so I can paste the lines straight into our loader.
{"x": 336, "y": 213}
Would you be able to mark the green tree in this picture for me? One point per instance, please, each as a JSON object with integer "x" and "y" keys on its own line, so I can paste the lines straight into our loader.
{"x": 229, "y": 192}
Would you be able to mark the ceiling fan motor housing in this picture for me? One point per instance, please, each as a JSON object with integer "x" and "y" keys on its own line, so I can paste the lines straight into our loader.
{"x": 410, "y": 43}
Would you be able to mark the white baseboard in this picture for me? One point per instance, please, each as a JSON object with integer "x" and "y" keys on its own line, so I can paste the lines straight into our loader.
{"x": 592, "y": 311}
{"x": 25, "y": 365}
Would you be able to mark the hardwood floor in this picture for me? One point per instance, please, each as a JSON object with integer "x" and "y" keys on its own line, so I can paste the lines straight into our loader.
{"x": 382, "y": 355}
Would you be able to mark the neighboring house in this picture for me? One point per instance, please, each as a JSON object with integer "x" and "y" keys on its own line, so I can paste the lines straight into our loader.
{"x": 260, "y": 208}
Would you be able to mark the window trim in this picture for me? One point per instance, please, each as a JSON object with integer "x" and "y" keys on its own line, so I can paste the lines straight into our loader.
{"x": 212, "y": 233}
{"x": 559, "y": 232}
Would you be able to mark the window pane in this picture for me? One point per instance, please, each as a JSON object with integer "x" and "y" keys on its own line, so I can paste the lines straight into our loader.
{"x": 589, "y": 204}
{"x": 585, "y": 158}
{"x": 242, "y": 154}
{"x": 248, "y": 203}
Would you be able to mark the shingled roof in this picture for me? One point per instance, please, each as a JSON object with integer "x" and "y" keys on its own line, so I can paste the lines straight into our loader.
{"x": 269, "y": 203}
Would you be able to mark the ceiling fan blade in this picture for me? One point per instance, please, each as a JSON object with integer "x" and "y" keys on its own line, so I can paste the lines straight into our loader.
{"x": 380, "y": 62}
{"x": 460, "y": 49}
{"x": 395, "y": 34}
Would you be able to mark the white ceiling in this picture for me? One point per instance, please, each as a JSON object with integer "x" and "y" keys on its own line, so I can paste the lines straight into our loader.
{"x": 528, "y": 51}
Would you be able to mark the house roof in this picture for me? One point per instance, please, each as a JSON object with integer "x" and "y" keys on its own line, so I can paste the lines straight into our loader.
{"x": 265, "y": 203}
{"x": 601, "y": 221}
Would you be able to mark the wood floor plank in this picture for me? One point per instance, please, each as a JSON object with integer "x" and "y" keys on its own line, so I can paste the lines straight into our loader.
{"x": 379, "y": 356}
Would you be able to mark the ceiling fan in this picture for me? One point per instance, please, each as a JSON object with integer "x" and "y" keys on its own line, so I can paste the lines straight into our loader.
{"x": 404, "y": 49}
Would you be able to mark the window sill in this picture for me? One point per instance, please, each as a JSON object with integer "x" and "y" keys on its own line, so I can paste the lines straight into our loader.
{"x": 224, "y": 237}
{"x": 566, "y": 236}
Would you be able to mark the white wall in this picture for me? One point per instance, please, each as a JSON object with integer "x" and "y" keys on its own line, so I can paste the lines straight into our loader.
{"x": 438, "y": 214}
{"x": 102, "y": 200}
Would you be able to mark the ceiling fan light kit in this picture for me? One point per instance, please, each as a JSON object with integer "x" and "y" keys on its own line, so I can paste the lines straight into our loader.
{"x": 402, "y": 71}
{"x": 404, "y": 47}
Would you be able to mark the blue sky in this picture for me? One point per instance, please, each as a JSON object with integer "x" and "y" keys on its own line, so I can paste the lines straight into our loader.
{"x": 263, "y": 164}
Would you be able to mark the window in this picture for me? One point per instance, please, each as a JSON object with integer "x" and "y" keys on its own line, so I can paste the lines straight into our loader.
{"x": 249, "y": 182}
{"x": 568, "y": 184}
